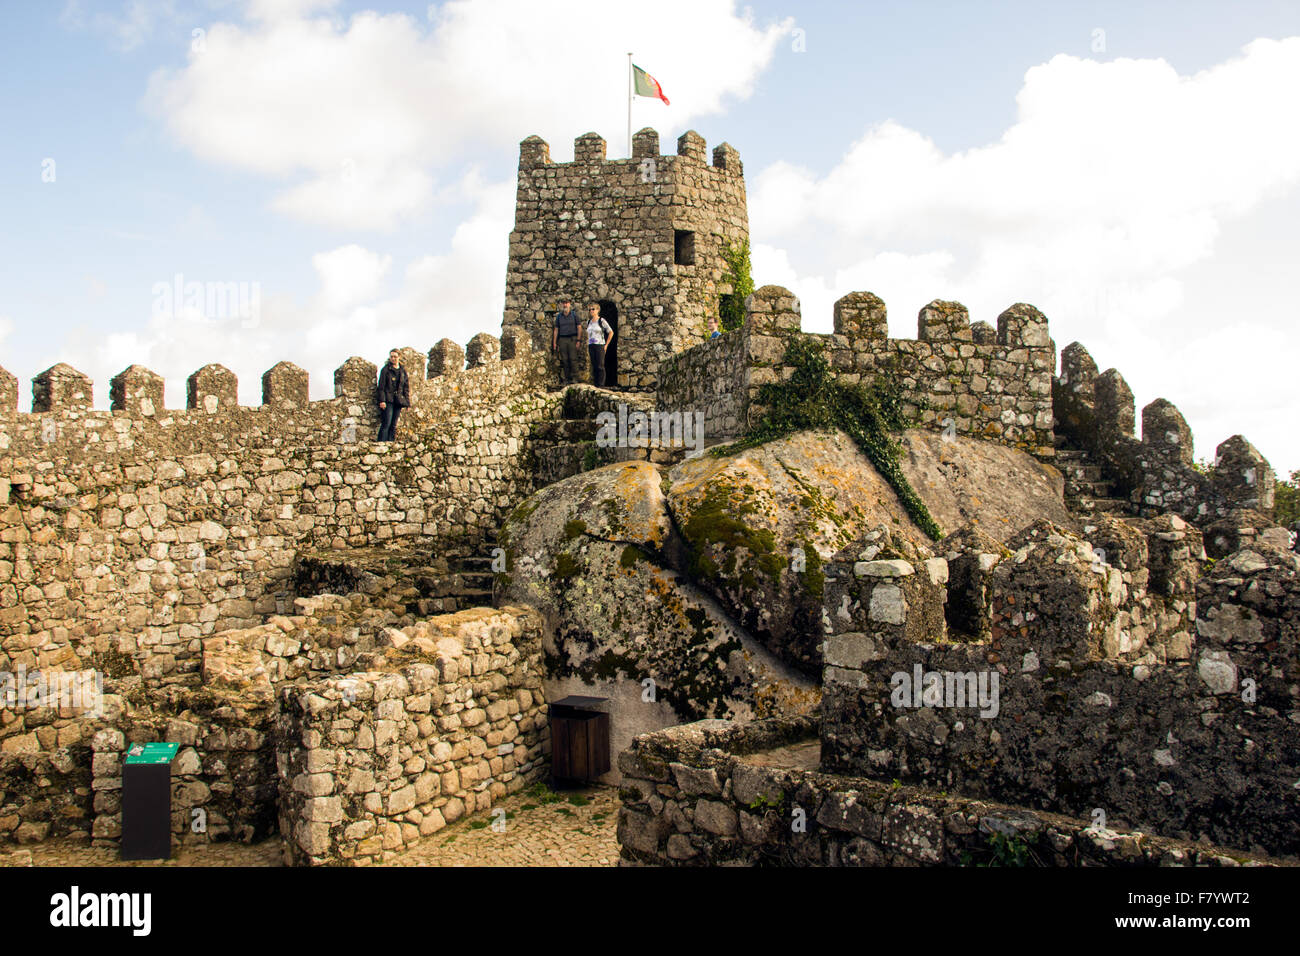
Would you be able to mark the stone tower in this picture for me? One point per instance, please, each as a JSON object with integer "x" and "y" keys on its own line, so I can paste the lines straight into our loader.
{"x": 645, "y": 237}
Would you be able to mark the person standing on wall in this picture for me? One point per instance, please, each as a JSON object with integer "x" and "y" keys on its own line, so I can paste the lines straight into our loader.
{"x": 564, "y": 340}
{"x": 394, "y": 395}
{"x": 599, "y": 337}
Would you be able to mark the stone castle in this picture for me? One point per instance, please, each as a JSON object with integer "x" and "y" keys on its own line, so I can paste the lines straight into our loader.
{"x": 355, "y": 643}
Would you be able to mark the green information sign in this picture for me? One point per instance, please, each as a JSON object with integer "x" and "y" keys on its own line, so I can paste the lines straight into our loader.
{"x": 151, "y": 753}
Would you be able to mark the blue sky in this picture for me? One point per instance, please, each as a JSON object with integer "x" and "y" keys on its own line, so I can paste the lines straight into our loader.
{"x": 358, "y": 166}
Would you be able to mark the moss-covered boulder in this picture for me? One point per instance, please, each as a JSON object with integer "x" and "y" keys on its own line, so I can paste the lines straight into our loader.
{"x": 759, "y": 525}
{"x": 595, "y": 553}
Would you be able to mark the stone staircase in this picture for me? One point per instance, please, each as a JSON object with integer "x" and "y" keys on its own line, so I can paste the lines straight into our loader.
{"x": 409, "y": 581}
{"x": 470, "y": 572}
{"x": 567, "y": 446}
{"x": 1087, "y": 490}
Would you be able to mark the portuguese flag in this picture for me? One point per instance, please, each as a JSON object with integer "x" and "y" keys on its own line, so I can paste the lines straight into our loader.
{"x": 647, "y": 85}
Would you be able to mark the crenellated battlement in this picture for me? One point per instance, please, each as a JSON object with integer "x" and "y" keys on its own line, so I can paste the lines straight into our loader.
{"x": 138, "y": 392}
{"x": 964, "y": 378}
{"x": 591, "y": 149}
{"x": 996, "y": 383}
{"x": 1097, "y": 412}
{"x": 132, "y": 534}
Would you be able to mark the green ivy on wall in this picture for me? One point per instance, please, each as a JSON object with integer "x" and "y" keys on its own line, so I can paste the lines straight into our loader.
{"x": 813, "y": 398}
{"x": 731, "y": 307}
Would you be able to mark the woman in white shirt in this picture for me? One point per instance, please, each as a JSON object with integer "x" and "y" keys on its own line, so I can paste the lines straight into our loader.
{"x": 599, "y": 337}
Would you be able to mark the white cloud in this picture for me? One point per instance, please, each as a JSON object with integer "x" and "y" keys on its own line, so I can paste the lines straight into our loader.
{"x": 1102, "y": 203}
{"x": 364, "y": 113}
{"x": 349, "y": 275}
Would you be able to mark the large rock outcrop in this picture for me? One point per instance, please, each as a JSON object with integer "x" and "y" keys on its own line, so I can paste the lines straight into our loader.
{"x": 697, "y": 591}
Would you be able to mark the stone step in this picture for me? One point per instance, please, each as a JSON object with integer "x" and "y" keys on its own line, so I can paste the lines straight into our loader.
{"x": 1078, "y": 471}
{"x": 1098, "y": 490}
{"x": 566, "y": 431}
{"x": 1071, "y": 454}
{"x": 431, "y": 606}
{"x": 561, "y": 461}
{"x": 585, "y": 402}
{"x": 1086, "y": 505}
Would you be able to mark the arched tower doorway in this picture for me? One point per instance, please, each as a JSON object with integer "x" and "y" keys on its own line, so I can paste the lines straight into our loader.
{"x": 609, "y": 312}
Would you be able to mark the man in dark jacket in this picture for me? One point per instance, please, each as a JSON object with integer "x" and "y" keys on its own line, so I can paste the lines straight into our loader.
{"x": 394, "y": 395}
{"x": 564, "y": 340}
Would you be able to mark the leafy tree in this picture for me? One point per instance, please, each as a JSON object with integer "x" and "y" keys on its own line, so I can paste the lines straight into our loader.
{"x": 1286, "y": 500}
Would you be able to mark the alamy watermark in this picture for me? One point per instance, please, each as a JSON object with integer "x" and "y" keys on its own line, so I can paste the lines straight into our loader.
{"x": 212, "y": 300}
{"x": 958, "y": 689}
{"x": 77, "y": 909}
{"x": 71, "y": 690}
{"x": 638, "y": 429}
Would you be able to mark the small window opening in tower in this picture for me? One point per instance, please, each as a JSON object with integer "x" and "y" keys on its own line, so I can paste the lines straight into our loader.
{"x": 683, "y": 247}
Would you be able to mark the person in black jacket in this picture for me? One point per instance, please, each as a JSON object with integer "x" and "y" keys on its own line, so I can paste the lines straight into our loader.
{"x": 394, "y": 394}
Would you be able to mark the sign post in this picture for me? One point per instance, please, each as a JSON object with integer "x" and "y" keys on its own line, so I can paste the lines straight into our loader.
{"x": 147, "y": 801}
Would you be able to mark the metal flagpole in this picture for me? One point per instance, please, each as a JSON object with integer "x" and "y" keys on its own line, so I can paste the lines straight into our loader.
{"x": 630, "y": 88}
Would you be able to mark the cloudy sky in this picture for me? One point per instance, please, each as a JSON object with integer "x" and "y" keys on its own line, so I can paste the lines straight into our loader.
{"x": 1133, "y": 169}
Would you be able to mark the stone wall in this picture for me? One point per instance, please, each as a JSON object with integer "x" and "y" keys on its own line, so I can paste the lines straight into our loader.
{"x": 44, "y": 794}
{"x": 966, "y": 379}
{"x": 470, "y": 683}
{"x": 373, "y": 762}
{"x": 223, "y": 776}
{"x": 225, "y": 769}
{"x": 972, "y": 379}
{"x": 1115, "y": 682}
{"x": 128, "y": 536}
{"x": 713, "y": 378}
{"x": 715, "y": 793}
{"x": 604, "y": 229}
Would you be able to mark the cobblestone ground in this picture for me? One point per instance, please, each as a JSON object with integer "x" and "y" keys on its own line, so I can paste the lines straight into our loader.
{"x": 572, "y": 828}
{"x": 541, "y": 828}
{"x": 68, "y": 852}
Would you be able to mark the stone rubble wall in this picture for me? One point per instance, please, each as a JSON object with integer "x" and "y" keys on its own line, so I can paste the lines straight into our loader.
{"x": 1135, "y": 663}
{"x": 45, "y": 794}
{"x": 971, "y": 380}
{"x": 603, "y": 229}
{"x": 372, "y": 763}
{"x": 703, "y": 794}
{"x": 486, "y": 692}
{"x": 128, "y": 538}
{"x": 225, "y": 767}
